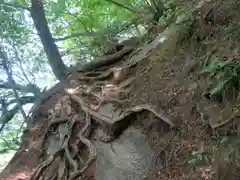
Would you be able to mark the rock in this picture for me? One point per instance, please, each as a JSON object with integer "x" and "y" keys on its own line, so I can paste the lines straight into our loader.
{"x": 128, "y": 157}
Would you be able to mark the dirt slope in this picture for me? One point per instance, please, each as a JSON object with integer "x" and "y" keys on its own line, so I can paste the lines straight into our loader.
{"x": 173, "y": 80}
{"x": 165, "y": 83}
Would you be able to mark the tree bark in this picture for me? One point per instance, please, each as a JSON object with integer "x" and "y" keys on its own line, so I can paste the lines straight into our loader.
{"x": 53, "y": 54}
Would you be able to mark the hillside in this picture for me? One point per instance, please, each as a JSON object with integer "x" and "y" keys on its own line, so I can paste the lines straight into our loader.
{"x": 166, "y": 108}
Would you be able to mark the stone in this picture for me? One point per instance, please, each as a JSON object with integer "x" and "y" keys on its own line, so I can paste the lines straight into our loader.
{"x": 127, "y": 158}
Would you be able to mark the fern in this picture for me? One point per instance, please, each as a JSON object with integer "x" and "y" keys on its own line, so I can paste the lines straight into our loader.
{"x": 223, "y": 75}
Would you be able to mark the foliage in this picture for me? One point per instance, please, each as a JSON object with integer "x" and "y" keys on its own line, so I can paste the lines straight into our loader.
{"x": 95, "y": 23}
{"x": 9, "y": 141}
{"x": 94, "y": 19}
{"x": 223, "y": 75}
{"x": 228, "y": 149}
{"x": 226, "y": 158}
{"x": 222, "y": 160}
{"x": 199, "y": 158}
{"x": 26, "y": 60}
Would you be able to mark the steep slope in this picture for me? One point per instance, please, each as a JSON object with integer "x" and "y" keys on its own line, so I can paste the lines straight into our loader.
{"x": 152, "y": 103}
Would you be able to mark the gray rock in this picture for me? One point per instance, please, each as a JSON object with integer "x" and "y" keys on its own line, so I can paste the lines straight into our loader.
{"x": 127, "y": 158}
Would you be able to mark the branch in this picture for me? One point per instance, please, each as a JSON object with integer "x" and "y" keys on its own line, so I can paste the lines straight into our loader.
{"x": 6, "y": 95}
{"x": 30, "y": 88}
{"x": 17, "y": 6}
{"x": 5, "y": 86}
{"x": 7, "y": 116}
{"x": 23, "y": 100}
{"x": 93, "y": 34}
{"x": 11, "y": 80}
{"x": 122, "y": 6}
{"x": 8, "y": 145}
{"x": 20, "y": 63}
{"x": 5, "y": 150}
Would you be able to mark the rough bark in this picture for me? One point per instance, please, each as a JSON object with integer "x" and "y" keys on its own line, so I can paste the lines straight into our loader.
{"x": 53, "y": 54}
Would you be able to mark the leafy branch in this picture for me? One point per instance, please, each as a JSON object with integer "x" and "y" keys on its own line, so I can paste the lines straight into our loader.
{"x": 77, "y": 35}
{"x": 122, "y": 6}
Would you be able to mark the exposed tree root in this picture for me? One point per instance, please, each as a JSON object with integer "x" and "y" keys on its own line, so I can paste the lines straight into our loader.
{"x": 69, "y": 167}
{"x": 89, "y": 145}
{"x": 64, "y": 153}
{"x": 160, "y": 114}
{"x": 100, "y": 76}
{"x": 52, "y": 123}
{"x": 69, "y": 158}
{"x": 104, "y": 61}
{"x": 40, "y": 168}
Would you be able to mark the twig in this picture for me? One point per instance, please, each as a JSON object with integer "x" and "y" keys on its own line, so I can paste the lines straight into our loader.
{"x": 20, "y": 64}
{"x": 17, "y": 6}
{"x": 93, "y": 34}
{"x": 122, "y": 6}
{"x": 11, "y": 81}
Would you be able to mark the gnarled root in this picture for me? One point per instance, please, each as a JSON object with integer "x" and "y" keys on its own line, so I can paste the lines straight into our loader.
{"x": 65, "y": 154}
{"x": 89, "y": 145}
{"x": 40, "y": 168}
{"x": 160, "y": 114}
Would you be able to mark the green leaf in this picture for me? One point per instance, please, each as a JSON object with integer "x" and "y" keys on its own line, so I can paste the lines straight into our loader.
{"x": 218, "y": 86}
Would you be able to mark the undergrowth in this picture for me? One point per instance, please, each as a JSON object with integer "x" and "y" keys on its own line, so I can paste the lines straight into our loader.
{"x": 226, "y": 159}
{"x": 220, "y": 162}
{"x": 223, "y": 77}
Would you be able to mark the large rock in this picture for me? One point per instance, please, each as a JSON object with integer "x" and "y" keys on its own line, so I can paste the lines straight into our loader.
{"x": 127, "y": 158}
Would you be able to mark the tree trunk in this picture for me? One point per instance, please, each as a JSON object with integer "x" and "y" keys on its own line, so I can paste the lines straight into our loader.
{"x": 53, "y": 54}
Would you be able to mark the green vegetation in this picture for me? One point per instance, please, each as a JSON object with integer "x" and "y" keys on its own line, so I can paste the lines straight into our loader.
{"x": 223, "y": 76}
{"x": 199, "y": 158}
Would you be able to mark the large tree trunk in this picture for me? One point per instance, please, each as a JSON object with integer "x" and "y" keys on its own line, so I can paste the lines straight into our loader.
{"x": 54, "y": 57}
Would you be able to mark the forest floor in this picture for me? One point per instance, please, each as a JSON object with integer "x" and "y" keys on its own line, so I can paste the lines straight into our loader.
{"x": 204, "y": 145}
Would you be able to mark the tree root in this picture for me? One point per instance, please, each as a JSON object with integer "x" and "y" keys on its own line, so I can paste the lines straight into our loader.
{"x": 69, "y": 158}
{"x": 102, "y": 76}
{"x": 89, "y": 145}
{"x": 64, "y": 150}
{"x": 44, "y": 165}
{"x": 61, "y": 169}
{"x": 160, "y": 113}
{"x": 104, "y": 61}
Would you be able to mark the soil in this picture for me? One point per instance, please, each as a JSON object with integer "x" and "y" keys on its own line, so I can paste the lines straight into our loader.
{"x": 171, "y": 80}
{"x": 174, "y": 82}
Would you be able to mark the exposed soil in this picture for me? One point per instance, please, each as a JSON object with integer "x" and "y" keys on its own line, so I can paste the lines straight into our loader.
{"x": 169, "y": 79}
{"x": 174, "y": 82}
